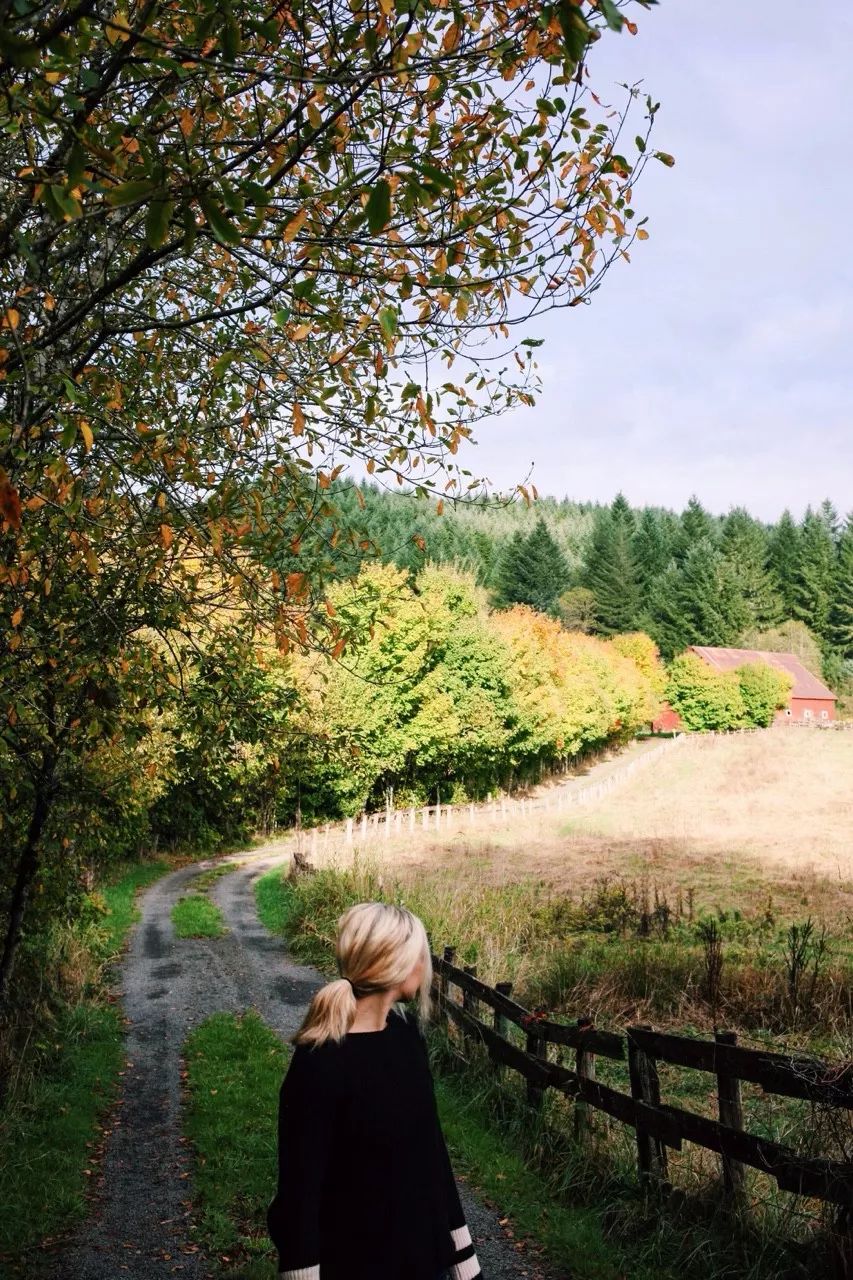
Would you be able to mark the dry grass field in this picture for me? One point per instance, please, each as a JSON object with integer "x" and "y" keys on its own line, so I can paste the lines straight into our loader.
{"x": 736, "y": 819}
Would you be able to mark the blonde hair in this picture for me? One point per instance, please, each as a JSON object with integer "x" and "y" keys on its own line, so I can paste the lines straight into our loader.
{"x": 377, "y": 948}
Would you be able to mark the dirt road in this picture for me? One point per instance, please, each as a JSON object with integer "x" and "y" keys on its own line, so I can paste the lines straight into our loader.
{"x": 139, "y": 1227}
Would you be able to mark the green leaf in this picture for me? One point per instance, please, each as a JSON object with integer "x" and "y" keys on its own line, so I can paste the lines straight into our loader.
{"x": 130, "y": 192}
{"x": 665, "y": 158}
{"x": 231, "y": 40}
{"x": 378, "y": 208}
{"x": 221, "y": 226}
{"x": 641, "y": 145}
{"x": 157, "y": 221}
{"x": 388, "y": 322}
{"x": 532, "y": 342}
{"x": 612, "y": 16}
{"x": 223, "y": 362}
{"x": 281, "y": 317}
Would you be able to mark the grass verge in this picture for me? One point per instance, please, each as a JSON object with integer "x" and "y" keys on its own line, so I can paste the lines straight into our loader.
{"x": 49, "y": 1127}
{"x": 234, "y": 1068}
{"x": 196, "y": 916}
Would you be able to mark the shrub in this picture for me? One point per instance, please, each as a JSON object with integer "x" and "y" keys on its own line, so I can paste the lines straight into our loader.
{"x": 764, "y": 690}
{"x": 704, "y": 698}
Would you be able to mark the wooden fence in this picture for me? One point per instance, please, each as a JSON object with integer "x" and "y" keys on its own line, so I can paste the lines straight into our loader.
{"x": 559, "y": 798}
{"x": 660, "y": 1127}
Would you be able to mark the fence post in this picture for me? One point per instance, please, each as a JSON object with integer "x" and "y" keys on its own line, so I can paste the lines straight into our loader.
{"x": 585, "y": 1068}
{"x": 411, "y": 819}
{"x": 470, "y": 1003}
{"x": 730, "y": 1110}
{"x": 444, "y": 984}
{"x": 425, "y": 818}
{"x": 364, "y": 826}
{"x": 645, "y": 1087}
{"x": 539, "y": 1049}
{"x": 499, "y": 1021}
{"x": 349, "y": 830}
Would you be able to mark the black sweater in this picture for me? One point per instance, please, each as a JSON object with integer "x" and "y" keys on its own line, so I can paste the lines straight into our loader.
{"x": 365, "y": 1187}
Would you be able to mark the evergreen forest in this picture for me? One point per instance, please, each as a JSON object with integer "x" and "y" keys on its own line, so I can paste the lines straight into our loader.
{"x": 683, "y": 578}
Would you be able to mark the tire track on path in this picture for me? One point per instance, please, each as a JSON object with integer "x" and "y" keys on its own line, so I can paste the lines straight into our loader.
{"x": 138, "y": 1226}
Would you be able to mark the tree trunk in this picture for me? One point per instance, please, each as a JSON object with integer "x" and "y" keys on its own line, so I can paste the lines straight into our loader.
{"x": 27, "y": 866}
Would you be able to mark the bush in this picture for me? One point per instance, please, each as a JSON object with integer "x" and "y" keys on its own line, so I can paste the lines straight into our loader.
{"x": 764, "y": 690}
{"x": 705, "y": 699}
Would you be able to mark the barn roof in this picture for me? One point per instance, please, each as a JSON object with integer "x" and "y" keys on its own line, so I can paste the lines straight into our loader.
{"x": 805, "y": 684}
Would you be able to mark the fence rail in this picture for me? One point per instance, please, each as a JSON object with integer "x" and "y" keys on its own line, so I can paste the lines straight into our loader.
{"x": 562, "y": 796}
{"x": 658, "y": 1126}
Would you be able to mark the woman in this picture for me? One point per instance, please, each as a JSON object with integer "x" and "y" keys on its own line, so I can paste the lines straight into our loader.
{"x": 365, "y": 1187}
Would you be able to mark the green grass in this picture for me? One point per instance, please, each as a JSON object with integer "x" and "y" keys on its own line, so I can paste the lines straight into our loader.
{"x": 195, "y": 916}
{"x": 234, "y": 1070}
{"x": 48, "y": 1127}
{"x": 572, "y": 1236}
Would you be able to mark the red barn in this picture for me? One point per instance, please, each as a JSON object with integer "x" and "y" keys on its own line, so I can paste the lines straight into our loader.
{"x": 810, "y": 702}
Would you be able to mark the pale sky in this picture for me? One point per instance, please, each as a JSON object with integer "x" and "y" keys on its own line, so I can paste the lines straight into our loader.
{"x": 719, "y": 361}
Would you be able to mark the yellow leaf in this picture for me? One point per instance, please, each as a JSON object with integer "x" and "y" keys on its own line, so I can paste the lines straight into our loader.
{"x": 91, "y": 561}
{"x": 298, "y": 420}
{"x": 301, "y": 331}
{"x": 387, "y": 7}
{"x": 166, "y": 535}
{"x": 642, "y": 234}
{"x": 16, "y": 617}
{"x": 186, "y": 122}
{"x": 295, "y": 225}
{"x": 86, "y": 433}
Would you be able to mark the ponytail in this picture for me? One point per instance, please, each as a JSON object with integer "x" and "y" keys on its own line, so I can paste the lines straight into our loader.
{"x": 330, "y": 1014}
{"x": 378, "y": 947}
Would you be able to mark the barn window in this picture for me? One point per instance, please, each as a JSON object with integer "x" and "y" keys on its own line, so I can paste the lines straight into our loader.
{"x": 787, "y": 711}
{"x": 807, "y": 714}
{"x": 824, "y": 715}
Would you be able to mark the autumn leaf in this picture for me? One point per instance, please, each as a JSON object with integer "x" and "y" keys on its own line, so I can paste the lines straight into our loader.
{"x": 294, "y": 226}
{"x": 10, "y": 503}
{"x": 295, "y": 584}
{"x": 17, "y": 617}
{"x": 166, "y": 535}
{"x": 86, "y": 433}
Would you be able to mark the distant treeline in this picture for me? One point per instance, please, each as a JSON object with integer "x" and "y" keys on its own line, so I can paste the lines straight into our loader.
{"x": 688, "y": 578}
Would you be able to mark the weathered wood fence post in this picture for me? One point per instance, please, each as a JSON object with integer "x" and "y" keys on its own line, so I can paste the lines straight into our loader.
{"x": 645, "y": 1088}
{"x": 499, "y": 1020}
{"x": 444, "y": 986}
{"x": 539, "y": 1049}
{"x": 730, "y": 1111}
{"x": 585, "y": 1068}
{"x": 470, "y": 1003}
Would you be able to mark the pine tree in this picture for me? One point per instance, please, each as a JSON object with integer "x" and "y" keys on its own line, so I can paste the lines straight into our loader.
{"x": 784, "y": 552}
{"x": 533, "y": 571}
{"x": 841, "y": 608}
{"x": 686, "y": 606}
{"x": 814, "y": 573}
{"x": 749, "y": 597}
{"x": 611, "y": 571}
{"x": 695, "y": 525}
{"x": 652, "y": 548}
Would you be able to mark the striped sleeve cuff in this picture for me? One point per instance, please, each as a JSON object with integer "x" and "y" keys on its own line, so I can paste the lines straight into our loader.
{"x": 465, "y": 1265}
{"x": 301, "y": 1273}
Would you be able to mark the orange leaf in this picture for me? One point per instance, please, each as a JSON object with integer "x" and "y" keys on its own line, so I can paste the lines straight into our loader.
{"x": 11, "y": 318}
{"x": 17, "y": 616}
{"x": 451, "y": 38}
{"x": 295, "y": 584}
{"x": 295, "y": 225}
{"x": 10, "y": 504}
{"x": 166, "y": 535}
{"x": 298, "y": 420}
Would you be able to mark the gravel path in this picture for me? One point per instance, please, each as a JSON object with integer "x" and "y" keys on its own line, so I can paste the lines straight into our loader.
{"x": 139, "y": 1224}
